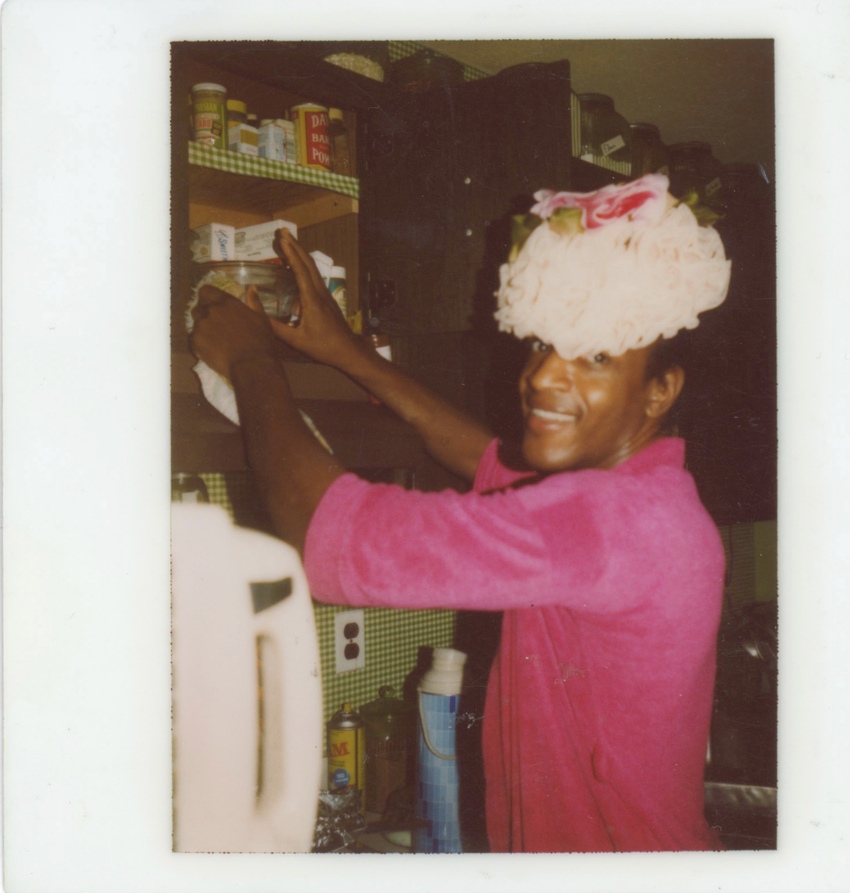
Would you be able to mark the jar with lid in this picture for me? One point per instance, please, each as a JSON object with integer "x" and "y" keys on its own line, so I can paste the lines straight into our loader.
{"x": 390, "y": 731}
{"x": 237, "y": 112}
{"x": 209, "y": 114}
{"x": 649, "y": 154}
{"x": 694, "y": 169}
{"x": 425, "y": 70}
{"x": 606, "y": 137}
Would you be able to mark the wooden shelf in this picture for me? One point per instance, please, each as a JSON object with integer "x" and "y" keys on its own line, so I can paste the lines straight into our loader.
{"x": 256, "y": 196}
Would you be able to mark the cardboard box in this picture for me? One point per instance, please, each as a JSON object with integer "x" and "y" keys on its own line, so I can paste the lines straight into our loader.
{"x": 276, "y": 140}
{"x": 257, "y": 242}
{"x": 243, "y": 138}
{"x": 214, "y": 241}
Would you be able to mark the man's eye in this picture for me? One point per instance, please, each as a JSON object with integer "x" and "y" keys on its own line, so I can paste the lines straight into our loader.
{"x": 600, "y": 359}
{"x": 538, "y": 346}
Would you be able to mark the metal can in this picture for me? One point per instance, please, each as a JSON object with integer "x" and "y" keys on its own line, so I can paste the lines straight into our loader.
{"x": 314, "y": 142}
{"x": 347, "y": 753}
{"x": 209, "y": 114}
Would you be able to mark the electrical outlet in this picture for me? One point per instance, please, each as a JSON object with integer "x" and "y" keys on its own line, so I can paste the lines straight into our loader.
{"x": 349, "y": 641}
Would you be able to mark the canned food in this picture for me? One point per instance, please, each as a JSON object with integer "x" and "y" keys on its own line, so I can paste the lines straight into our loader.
{"x": 314, "y": 142}
{"x": 209, "y": 114}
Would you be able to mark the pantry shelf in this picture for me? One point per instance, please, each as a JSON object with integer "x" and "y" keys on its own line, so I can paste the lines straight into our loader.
{"x": 254, "y": 167}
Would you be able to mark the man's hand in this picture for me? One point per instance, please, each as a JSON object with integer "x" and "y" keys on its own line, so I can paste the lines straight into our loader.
{"x": 226, "y": 331}
{"x": 322, "y": 332}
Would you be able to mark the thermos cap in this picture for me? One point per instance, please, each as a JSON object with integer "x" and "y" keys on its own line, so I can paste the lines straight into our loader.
{"x": 445, "y": 675}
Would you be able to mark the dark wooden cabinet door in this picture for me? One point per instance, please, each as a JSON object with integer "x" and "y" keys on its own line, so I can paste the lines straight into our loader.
{"x": 729, "y": 404}
{"x": 442, "y": 172}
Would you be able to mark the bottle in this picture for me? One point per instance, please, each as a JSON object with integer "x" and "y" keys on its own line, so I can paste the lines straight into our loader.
{"x": 390, "y": 726}
{"x": 347, "y": 753}
{"x": 437, "y": 795}
{"x": 340, "y": 151}
{"x": 336, "y": 286}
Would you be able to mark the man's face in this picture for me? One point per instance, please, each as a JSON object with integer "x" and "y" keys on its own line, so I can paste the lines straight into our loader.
{"x": 591, "y": 412}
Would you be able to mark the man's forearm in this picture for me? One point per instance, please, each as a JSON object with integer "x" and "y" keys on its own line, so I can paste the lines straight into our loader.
{"x": 451, "y": 436}
{"x": 291, "y": 468}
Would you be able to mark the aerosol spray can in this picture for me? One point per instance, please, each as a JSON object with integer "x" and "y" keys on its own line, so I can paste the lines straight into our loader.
{"x": 438, "y": 789}
{"x": 347, "y": 753}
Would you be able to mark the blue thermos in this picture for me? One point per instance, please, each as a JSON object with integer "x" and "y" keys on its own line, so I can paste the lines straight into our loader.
{"x": 437, "y": 800}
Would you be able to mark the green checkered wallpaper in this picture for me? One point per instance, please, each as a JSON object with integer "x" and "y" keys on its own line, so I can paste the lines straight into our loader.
{"x": 392, "y": 638}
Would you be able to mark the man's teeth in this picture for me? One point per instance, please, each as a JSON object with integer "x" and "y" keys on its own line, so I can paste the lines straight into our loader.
{"x": 553, "y": 416}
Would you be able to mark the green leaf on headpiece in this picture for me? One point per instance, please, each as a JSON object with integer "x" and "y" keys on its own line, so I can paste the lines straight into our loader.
{"x": 566, "y": 221}
{"x": 522, "y": 226}
{"x": 705, "y": 216}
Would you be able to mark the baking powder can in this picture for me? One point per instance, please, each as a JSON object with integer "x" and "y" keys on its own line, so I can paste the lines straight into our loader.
{"x": 347, "y": 753}
{"x": 209, "y": 114}
{"x": 314, "y": 141}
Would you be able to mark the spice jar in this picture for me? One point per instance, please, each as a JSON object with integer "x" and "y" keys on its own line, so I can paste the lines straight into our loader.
{"x": 390, "y": 725}
{"x": 605, "y": 134}
{"x": 649, "y": 154}
{"x": 424, "y": 70}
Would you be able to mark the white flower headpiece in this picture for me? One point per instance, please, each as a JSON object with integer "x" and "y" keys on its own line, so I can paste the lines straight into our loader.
{"x": 611, "y": 270}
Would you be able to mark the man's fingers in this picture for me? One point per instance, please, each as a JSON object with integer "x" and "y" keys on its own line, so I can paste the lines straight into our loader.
{"x": 252, "y": 299}
{"x": 299, "y": 259}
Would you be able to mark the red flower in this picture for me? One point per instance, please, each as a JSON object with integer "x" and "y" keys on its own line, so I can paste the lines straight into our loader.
{"x": 643, "y": 199}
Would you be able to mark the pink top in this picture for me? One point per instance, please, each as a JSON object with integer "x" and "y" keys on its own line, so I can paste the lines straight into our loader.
{"x": 599, "y": 700}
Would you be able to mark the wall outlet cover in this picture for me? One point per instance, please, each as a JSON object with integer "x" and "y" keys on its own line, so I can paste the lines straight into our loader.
{"x": 349, "y": 641}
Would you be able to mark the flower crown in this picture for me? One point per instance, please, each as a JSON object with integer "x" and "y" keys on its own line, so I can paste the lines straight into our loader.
{"x": 613, "y": 270}
{"x": 572, "y": 213}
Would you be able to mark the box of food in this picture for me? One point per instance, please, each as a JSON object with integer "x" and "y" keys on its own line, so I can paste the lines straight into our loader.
{"x": 271, "y": 141}
{"x": 243, "y": 138}
{"x": 214, "y": 242}
{"x": 257, "y": 242}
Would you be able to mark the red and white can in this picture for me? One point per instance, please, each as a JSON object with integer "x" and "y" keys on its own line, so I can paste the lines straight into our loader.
{"x": 314, "y": 142}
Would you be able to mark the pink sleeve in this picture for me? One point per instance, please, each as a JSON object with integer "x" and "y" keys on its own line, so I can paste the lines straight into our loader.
{"x": 590, "y": 539}
{"x": 382, "y": 545}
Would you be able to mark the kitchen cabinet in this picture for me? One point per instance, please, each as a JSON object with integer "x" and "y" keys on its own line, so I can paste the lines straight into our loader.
{"x": 208, "y": 186}
{"x": 421, "y": 227}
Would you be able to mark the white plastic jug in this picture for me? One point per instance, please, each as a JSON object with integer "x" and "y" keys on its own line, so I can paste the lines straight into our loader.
{"x": 247, "y": 694}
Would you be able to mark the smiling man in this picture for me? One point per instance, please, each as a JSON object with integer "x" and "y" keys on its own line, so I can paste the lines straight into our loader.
{"x": 607, "y": 567}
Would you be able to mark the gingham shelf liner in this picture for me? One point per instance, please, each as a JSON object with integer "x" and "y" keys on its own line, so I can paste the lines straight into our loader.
{"x": 253, "y": 166}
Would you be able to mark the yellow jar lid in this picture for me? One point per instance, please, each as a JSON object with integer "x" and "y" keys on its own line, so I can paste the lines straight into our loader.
{"x": 234, "y": 105}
